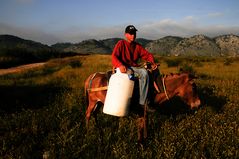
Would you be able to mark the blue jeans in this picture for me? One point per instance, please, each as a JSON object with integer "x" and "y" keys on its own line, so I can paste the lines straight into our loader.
{"x": 143, "y": 83}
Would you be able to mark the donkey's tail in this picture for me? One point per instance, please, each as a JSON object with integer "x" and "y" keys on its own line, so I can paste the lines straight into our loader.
{"x": 88, "y": 83}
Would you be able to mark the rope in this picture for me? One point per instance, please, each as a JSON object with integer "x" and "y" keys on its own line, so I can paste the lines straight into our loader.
{"x": 97, "y": 89}
{"x": 164, "y": 88}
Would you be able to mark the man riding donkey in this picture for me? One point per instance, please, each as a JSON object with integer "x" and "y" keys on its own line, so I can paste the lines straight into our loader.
{"x": 125, "y": 56}
{"x": 124, "y": 59}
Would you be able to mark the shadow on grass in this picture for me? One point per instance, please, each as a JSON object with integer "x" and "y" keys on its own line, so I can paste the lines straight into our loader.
{"x": 16, "y": 98}
{"x": 173, "y": 107}
{"x": 210, "y": 99}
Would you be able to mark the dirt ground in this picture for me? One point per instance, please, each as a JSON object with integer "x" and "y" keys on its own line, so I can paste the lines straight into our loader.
{"x": 20, "y": 68}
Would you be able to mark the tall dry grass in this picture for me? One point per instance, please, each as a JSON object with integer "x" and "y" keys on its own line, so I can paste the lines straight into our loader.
{"x": 42, "y": 113}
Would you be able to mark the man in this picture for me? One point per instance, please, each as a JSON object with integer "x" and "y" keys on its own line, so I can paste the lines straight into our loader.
{"x": 125, "y": 56}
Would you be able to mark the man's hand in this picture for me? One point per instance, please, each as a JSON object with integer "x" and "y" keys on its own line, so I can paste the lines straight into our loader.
{"x": 155, "y": 66}
{"x": 122, "y": 69}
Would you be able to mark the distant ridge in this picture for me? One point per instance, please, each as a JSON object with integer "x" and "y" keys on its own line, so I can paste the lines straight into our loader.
{"x": 164, "y": 45}
{"x": 197, "y": 45}
{"x": 14, "y": 41}
{"x": 16, "y": 51}
{"x": 89, "y": 46}
{"x": 110, "y": 42}
{"x": 229, "y": 44}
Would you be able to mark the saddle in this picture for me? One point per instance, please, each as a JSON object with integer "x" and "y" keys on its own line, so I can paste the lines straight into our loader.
{"x": 155, "y": 82}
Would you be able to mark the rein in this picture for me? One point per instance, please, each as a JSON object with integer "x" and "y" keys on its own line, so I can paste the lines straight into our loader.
{"x": 164, "y": 88}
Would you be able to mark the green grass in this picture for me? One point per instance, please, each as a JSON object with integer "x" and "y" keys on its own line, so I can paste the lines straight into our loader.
{"x": 42, "y": 112}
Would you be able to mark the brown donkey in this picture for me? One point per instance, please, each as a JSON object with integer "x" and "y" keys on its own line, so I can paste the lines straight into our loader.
{"x": 181, "y": 85}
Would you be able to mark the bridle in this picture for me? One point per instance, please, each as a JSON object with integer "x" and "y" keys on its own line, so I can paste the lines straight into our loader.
{"x": 164, "y": 88}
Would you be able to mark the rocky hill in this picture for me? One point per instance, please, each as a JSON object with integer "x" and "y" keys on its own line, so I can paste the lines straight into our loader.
{"x": 229, "y": 44}
{"x": 164, "y": 45}
{"x": 61, "y": 46}
{"x": 110, "y": 43}
{"x": 198, "y": 45}
{"x": 104, "y": 46}
{"x": 143, "y": 41}
{"x": 89, "y": 46}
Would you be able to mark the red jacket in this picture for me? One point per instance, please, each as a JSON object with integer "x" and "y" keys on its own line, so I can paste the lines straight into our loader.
{"x": 128, "y": 54}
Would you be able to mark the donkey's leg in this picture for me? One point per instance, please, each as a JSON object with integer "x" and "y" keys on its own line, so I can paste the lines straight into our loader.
{"x": 96, "y": 111}
{"x": 142, "y": 125}
{"x": 140, "y": 129}
{"x": 145, "y": 120}
{"x": 89, "y": 110}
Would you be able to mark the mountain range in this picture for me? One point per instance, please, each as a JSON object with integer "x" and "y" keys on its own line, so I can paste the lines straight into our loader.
{"x": 197, "y": 45}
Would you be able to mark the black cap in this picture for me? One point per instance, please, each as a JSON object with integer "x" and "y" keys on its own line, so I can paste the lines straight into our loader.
{"x": 130, "y": 29}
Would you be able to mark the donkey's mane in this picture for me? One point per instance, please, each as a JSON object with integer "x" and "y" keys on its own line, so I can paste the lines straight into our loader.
{"x": 176, "y": 77}
{"x": 173, "y": 75}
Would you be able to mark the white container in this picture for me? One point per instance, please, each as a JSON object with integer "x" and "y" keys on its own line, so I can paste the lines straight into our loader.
{"x": 118, "y": 95}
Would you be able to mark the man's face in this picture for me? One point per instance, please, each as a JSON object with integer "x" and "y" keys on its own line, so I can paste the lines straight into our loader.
{"x": 130, "y": 37}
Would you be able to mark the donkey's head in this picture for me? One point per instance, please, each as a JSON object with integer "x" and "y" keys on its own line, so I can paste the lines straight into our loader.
{"x": 188, "y": 92}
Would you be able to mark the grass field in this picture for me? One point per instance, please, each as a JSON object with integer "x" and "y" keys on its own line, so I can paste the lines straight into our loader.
{"x": 42, "y": 114}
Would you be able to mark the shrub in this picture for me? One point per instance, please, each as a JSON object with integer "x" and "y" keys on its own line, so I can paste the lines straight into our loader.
{"x": 187, "y": 68}
{"x": 228, "y": 61}
{"x": 75, "y": 64}
{"x": 174, "y": 62}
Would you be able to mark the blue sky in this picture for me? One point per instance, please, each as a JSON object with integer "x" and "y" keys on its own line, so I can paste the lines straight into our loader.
{"x": 52, "y": 21}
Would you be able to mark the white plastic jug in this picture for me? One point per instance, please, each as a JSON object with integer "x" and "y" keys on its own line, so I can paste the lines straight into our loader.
{"x": 118, "y": 95}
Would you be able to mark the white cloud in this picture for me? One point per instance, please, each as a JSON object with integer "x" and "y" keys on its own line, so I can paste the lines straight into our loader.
{"x": 189, "y": 18}
{"x": 187, "y": 27}
{"x": 215, "y": 14}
